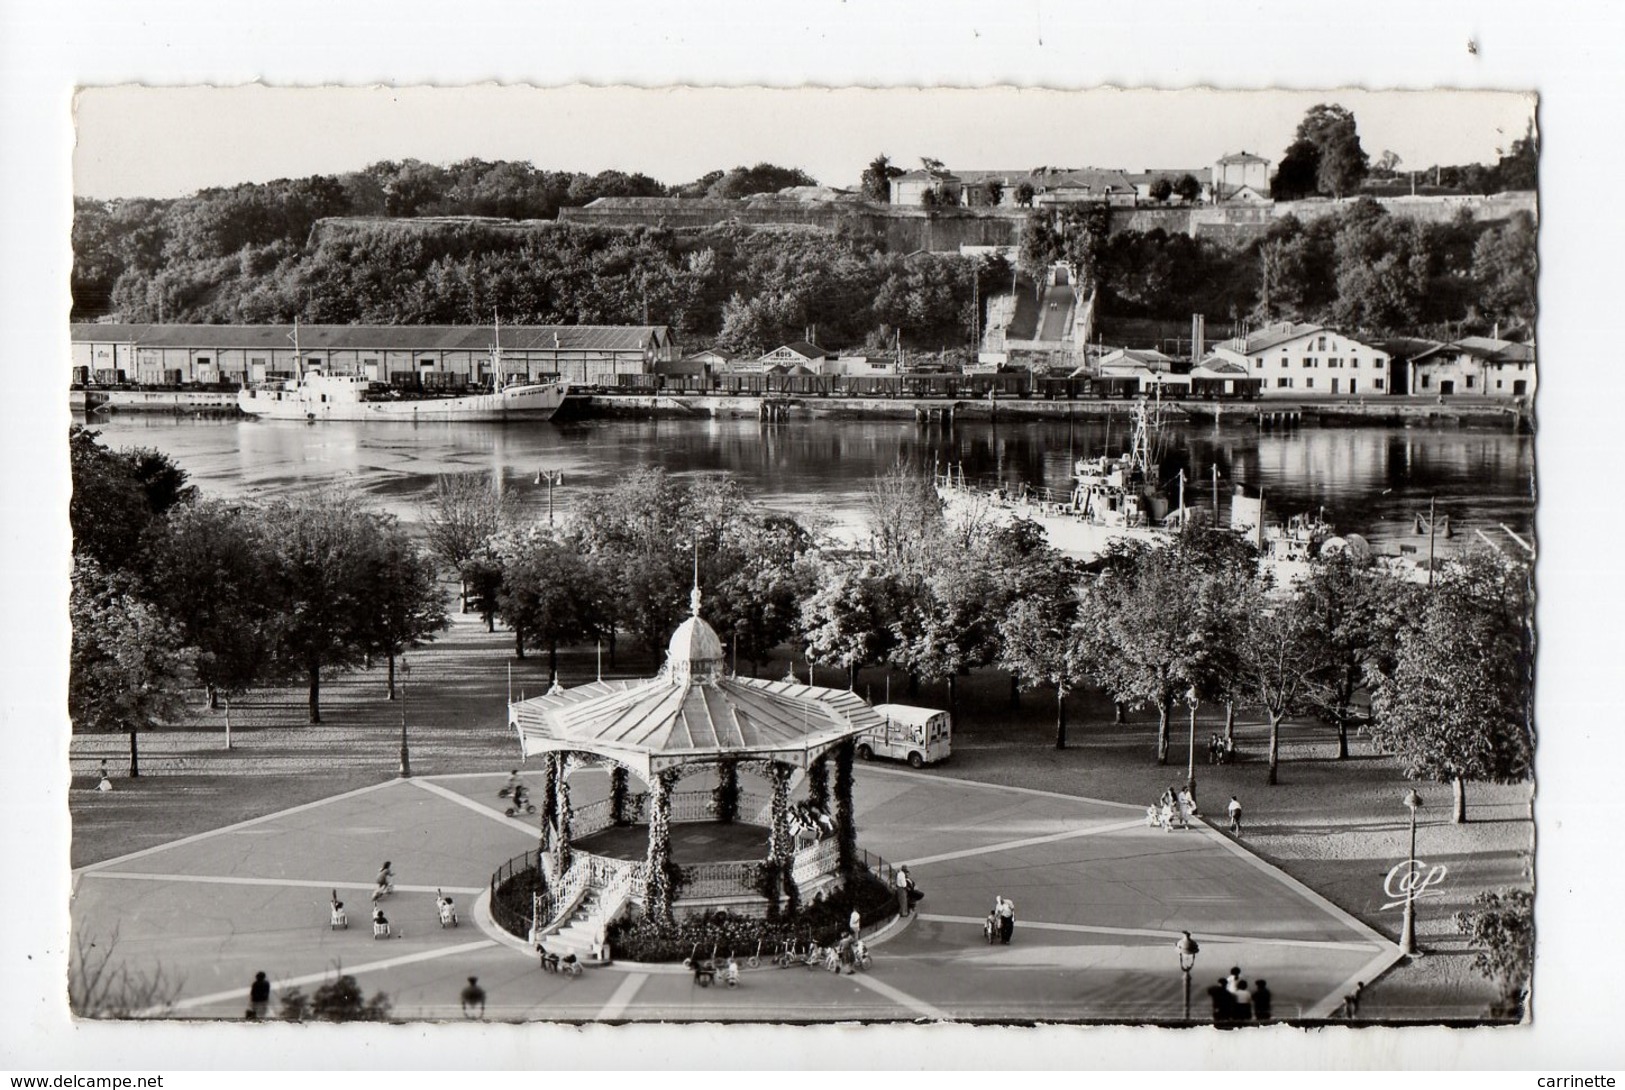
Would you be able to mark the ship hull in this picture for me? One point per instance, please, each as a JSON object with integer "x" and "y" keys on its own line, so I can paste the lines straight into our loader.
{"x": 529, "y": 403}
{"x": 1067, "y": 533}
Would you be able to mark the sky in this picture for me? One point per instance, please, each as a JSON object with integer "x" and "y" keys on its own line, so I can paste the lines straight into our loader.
{"x": 140, "y": 141}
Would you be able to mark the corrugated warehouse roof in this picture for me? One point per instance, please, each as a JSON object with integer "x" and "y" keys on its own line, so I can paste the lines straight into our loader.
{"x": 1262, "y": 340}
{"x": 317, "y": 338}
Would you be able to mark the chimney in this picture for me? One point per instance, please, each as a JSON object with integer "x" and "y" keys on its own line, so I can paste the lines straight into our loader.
{"x": 1198, "y": 337}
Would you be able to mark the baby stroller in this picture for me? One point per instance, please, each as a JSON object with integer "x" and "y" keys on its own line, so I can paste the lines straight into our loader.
{"x": 448, "y": 911}
{"x": 337, "y": 920}
{"x": 569, "y": 965}
{"x": 730, "y": 971}
{"x": 380, "y": 925}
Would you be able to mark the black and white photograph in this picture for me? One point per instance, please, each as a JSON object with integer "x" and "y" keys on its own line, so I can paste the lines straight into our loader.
{"x": 627, "y": 554}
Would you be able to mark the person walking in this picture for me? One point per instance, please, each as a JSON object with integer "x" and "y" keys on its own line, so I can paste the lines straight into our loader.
{"x": 1261, "y": 1002}
{"x": 473, "y": 997}
{"x": 259, "y": 998}
{"x": 1006, "y": 909}
{"x": 854, "y": 922}
{"x": 905, "y": 886}
{"x": 1234, "y": 810}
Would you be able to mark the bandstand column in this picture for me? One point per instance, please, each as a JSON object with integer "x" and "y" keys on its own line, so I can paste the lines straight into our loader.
{"x": 550, "y": 782}
{"x": 618, "y": 777}
{"x": 656, "y": 888}
{"x": 780, "y": 843}
{"x": 563, "y": 813}
{"x": 846, "y": 825}
{"x": 727, "y": 792}
{"x": 818, "y": 783}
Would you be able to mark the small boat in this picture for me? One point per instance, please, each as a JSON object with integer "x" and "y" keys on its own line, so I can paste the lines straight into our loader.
{"x": 318, "y": 395}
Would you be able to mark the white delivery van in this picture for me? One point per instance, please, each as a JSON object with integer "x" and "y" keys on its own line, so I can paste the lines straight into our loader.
{"x": 920, "y": 736}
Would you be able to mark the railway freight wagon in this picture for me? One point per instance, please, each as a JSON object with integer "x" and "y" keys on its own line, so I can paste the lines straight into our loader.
{"x": 1229, "y": 389}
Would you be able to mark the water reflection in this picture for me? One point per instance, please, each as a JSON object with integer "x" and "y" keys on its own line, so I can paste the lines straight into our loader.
{"x": 1371, "y": 480}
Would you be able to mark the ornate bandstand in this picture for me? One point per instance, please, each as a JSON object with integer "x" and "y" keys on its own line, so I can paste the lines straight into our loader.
{"x": 692, "y": 719}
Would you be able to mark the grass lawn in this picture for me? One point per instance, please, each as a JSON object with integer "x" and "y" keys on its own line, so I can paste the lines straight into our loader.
{"x": 1336, "y": 826}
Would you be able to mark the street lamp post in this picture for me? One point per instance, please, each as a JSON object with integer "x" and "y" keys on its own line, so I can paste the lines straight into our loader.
{"x": 1190, "y": 769}
{"x": 550, "y": 477}
{"x": 1407, "y": 931}
{"x": 1188, "y": 949}
{"x": 406, "y": 756}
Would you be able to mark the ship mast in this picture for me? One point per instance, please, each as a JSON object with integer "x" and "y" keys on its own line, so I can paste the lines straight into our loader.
{"x": 496, "y": 348}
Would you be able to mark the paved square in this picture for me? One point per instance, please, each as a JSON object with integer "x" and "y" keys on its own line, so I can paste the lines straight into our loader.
{"x": 1100, "y": 899}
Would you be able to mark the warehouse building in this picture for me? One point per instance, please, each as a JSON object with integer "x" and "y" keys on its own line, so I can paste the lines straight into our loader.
{"x": 178, "y": 355}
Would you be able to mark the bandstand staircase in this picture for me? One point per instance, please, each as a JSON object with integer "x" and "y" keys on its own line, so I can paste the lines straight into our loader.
{"x": 579, "y": 930}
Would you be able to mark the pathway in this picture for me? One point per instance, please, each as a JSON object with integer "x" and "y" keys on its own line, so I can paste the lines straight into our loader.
{"x": 1100, "y": 900}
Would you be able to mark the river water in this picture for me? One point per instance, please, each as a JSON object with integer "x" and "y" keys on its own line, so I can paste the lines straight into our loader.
{"x": 1368, "y": 480}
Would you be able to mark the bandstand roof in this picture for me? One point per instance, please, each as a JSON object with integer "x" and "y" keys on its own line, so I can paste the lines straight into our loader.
{"x": 692, "y": 712}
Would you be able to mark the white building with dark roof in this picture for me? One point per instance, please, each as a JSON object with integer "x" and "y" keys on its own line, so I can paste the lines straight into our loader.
{"x": 1240, "y": 171}
{"x": 1475, "y": 365}
{"x": 1300, "y": 359}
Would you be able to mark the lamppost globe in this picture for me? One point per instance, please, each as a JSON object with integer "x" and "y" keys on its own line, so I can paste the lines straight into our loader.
{"x": 1188, "y": 949}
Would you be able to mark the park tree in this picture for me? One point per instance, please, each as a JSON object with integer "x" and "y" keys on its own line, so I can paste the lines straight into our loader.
{"x": 1160, "y": 621}
{"x": 208, "y": 565}
{"x": 1500, "y": 927}
{"x": 117, "y": 495}
{"x": 1025, "y": 194}
{"x": 405, "y": 606}
{"x": 1136, "y": 633}
{"x": 1355, "y": 611}
{"x": 877, "y": 178}
{"x": 1456, "y": 704}
{"x": 461, "y": 517}
{"x": 843, "y": 619}
{"x": 326, "y": 548}
{"x": 992, "y": 192}
{"x": 1188, "y": 188}
{"x": 546, "y": 596}
{"x": 128, "y": 665}
{"x": 1041, "y": 644}
{"x": 755, "y": 580}
{"x": 1275, "y": 660}
{"x": 1162, "y": 189}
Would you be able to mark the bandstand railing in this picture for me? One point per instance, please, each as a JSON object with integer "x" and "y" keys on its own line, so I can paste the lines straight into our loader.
{"x": 513, "y": 909}
{"x": 720, "y": 880}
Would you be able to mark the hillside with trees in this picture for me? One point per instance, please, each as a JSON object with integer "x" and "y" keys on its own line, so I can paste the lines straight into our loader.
{"x": 410, "y": 243}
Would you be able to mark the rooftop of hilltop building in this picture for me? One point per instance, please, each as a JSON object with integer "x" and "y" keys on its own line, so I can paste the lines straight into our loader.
{"x": 406, "y": 337}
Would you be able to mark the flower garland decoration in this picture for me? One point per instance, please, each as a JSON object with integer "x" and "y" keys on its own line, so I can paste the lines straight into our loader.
{"x": 550, "y": 779}
{"x": 846, "y": 829}
{"x": 564, "y": 814}
{"x": 818, "y": 783}
{"x": 617, "y": 794}
{"x": 725, "y": 798}
{"x": 658, "y": 891}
